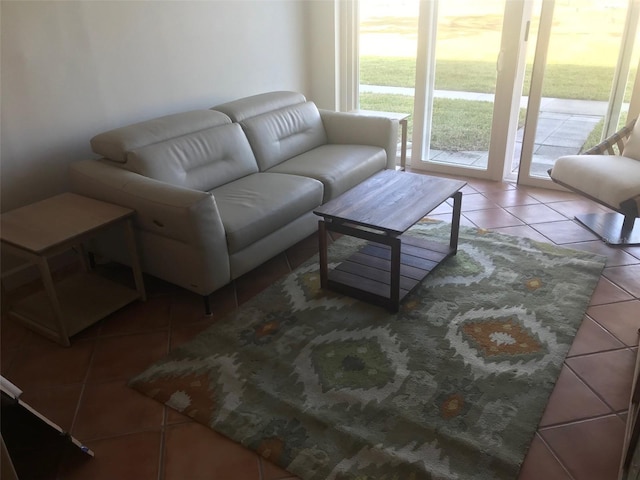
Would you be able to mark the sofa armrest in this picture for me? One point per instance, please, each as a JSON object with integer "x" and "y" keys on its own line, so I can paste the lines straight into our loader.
{"x": 177, "y": 213}
{"x": 355, "y": 129}
{"x": 190, "y": 216}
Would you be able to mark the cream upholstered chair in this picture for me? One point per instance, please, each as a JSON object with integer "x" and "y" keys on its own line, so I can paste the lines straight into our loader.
{"x": 609, "y": 174}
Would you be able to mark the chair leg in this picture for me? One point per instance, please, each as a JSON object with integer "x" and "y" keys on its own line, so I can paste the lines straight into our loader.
{"x": 207, "y": 305}
{"x": 627, "y": 226}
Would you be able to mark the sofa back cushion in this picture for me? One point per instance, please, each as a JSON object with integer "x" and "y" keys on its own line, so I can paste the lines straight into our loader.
{"x": 116, "y": 144}
{"x": 247, "y": 107}
{"x": 281, "y": 134}
{"x": 201, "y": 161}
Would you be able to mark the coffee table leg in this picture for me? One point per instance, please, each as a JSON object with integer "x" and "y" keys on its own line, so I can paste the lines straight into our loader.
{"x": 455, "y": 221}
{"x": 394, "y": 294}
{"x": 322, "y": 249}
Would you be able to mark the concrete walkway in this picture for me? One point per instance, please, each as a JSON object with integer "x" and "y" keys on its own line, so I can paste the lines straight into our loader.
{"x": 563, "y": 127}
{"x": 555, "y": 105}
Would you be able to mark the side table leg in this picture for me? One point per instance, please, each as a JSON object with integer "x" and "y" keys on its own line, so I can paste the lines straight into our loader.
{"x": 455, "y": 221}
{"x": 87, "y": 264}
{"x": 5, "y": 297}
{"x": 47, "y": 280}
{"x": 135, "y": 259}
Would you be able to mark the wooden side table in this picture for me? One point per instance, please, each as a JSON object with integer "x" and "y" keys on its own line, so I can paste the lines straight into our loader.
{"x": 52, "y": 226}
{"x": 402, "y": 119}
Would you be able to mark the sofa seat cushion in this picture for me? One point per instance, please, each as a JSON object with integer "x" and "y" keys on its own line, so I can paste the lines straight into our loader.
{"x": 254, "y": 206}
{"x": 611, "y": 179}
{"x": 338, "y": 167}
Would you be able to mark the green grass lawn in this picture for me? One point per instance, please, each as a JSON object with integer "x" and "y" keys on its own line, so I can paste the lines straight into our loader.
{"x": 561, "y": 81}
{"x": 459, "y": 125}
{"x": 580, "y": 65}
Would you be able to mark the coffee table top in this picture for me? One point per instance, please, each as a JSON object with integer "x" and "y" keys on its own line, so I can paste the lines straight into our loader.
{"x": 391, "y": 201}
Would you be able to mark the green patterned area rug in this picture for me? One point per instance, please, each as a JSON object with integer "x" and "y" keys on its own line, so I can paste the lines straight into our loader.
{"x": 452, "y": 386}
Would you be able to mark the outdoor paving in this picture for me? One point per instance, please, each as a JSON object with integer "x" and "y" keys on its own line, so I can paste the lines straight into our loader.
{"x": 557, "y": 134}
{"x": 563, "y": 127}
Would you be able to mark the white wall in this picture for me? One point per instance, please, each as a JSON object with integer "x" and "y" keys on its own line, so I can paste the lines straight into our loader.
{"x": 323, "y": 49}
{"x": 72, "y": 69}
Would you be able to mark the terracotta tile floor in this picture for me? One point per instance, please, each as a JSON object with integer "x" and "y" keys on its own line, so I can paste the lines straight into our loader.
{"x": 83, "y": 389}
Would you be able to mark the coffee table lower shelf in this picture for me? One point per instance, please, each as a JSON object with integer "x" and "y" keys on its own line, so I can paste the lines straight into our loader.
{"x": 367, "y": 273}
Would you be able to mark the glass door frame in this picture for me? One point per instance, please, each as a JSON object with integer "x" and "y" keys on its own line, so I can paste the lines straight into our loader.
{"x": 535, "y": 99}
{"x": 537, "y": 78}
{"x": 621, "y": 74}
{"x": 510, "y": 66}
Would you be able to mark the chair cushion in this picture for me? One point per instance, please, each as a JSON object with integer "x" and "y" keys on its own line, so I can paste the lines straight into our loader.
{"x": 338, "y": 167}
{"x": 632, "y": 147}
{"x": 612, "y": 179}
{"x": 259, "y": 204}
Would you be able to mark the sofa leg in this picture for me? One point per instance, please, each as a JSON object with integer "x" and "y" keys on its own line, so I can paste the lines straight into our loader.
{"x": 92, "y": 260}
{"x": 207, "y": 305}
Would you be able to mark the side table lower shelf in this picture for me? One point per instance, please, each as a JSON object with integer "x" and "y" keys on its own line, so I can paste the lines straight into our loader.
{"x": 84, "y": 299}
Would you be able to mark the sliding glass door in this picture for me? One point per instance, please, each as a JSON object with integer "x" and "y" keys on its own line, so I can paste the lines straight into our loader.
{"x": 580, "y": 78}
{"x": 499, "y": 88}
{"x": 469, "y": 64}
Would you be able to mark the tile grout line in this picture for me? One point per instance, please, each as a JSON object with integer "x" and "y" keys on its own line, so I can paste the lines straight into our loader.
{"x": 552, "y": 426}
{"x": 604, "y": 274}
{"x": 612, "y": 333}
{"x": 85, "y": 381}
{"x": 585, "y": 420}
{"x": 163, "y": 441}
{"x": 555, "y": 455}
{"x": 597, "y": 394}
{"x": 74, "y": 419}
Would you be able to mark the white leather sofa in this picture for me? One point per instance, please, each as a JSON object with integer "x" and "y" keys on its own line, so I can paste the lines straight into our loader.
{"x": 219, "y": 191}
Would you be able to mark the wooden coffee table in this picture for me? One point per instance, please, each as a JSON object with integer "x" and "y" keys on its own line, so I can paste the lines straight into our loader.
{"x": 380, "y": 210}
